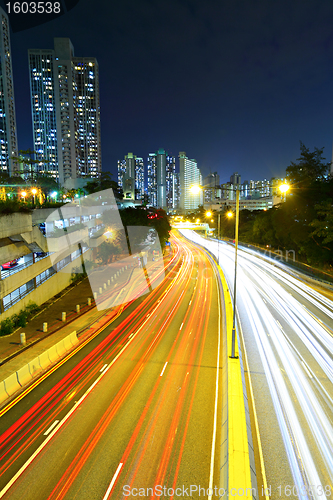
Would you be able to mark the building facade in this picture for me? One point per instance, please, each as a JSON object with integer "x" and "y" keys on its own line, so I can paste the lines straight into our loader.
{"x": 170, "y": 183}
{"x": 131, "y": 177}
{"x": 8, "y": 133}
{"x": 152, "y": 179}
{"x": 65, "y": 112}
{"x": 189, "y": 175}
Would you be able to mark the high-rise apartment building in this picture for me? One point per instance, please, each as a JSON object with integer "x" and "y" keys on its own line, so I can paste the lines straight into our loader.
{"x": 65, "y": 111}
{"x": 139, "y": 179}
{"x": 8, "y": 134}
{"x": 160, "y": 174}
{"x": 170, "y": 182}
{"x": 211, "y": 185}
{"x": 121, "y": 171}
{"x": 131, "y": 177}
{"x": 152, "y": 179}
{"x": 189, "y": 175}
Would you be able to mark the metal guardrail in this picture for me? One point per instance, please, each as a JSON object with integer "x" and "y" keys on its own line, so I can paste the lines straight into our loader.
{"x": 5, "y": 273}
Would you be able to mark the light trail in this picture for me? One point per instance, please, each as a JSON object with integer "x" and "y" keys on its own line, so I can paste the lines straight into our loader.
{"x": 292, "y": 327}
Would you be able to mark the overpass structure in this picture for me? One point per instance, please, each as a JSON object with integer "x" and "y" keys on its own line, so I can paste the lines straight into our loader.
{"x": 202, "y": 226}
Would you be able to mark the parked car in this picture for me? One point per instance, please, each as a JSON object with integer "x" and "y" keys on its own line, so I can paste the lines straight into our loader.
{"x": 9, "y": 264}
{"x": 40, "y": 254}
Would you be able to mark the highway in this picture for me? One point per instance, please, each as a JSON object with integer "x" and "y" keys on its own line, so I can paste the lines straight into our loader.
{"x": 135, "y": 409}
{"x": 287, "y": 326}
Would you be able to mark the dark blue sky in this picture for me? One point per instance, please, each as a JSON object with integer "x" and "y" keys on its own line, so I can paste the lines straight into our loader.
{"x": 236, "y": 84}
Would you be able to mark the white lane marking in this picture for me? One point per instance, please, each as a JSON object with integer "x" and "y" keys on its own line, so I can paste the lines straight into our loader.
{"x": 307, "y": 370}
{"x": 190, "y": 302}
{"x": 108, "y": 491}
{"x": 131, "y": 335}
{"x": 61, "y": 423}
{"x": 51, "y": 427}
{"x": 164, "y": 367}
{"x": 181, "y": 326}
{"x": 103, "y": 367}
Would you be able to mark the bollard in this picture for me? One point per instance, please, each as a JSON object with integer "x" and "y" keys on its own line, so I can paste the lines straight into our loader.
{"x": 109, "y": 282}
{"x": 95, "y": 295}
{"x": 44, "y": 327}
{"x": 23, "y": 339}
{"x": 63, "y": 316}
{"x": 112, "y": 278}
{"x": 77, "y": 308}
{"x": 104, "y": 286}
{"x": 100, "y": 290}
{"x": 89, "y": 301}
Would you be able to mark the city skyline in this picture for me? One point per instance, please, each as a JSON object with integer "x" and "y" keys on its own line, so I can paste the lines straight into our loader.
{"x": 65, "y": 111}
{"x": 238, "y": 90}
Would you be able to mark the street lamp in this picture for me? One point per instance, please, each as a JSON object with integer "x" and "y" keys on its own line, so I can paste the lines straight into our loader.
{"x": 235, "y": 279}
{"x": 195, "y": 189}
{"x": 23, "y": 194}
{"x": 284, "y": 188}
{"x": 34, "y": 191}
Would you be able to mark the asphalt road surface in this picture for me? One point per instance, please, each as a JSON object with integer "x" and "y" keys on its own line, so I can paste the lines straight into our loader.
{"x": 135, "y": 409}
{"x": 286, "y": 321}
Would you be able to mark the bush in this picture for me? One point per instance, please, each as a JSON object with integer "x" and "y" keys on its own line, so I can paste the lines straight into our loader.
{"x": 20, "y": 319}
{"x": 77, "y": 277}
{"x": 32, "y": 308}
{"x": 11, "y": 206}
{"x": 6, "y": 327}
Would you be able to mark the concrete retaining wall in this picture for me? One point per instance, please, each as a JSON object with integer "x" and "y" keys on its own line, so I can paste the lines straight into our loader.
{"x": 13, "y": 224}
{"x": 34, "y": 368}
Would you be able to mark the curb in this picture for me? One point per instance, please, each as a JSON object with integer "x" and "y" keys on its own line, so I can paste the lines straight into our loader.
{"x": 237, "y": 471}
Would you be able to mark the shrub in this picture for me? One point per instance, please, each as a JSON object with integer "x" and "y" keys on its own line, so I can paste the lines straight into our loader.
{"x": 6, "y": 327}
{"x": 11, "y": 206}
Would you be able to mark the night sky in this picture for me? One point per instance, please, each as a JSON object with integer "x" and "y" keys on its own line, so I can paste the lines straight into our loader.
{"x": 236, "y": 84}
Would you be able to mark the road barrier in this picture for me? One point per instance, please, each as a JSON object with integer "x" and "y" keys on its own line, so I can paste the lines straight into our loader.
{"x": 35, "y": 367}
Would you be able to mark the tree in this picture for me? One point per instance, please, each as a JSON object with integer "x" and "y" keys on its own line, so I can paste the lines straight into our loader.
{"x": 323, "y": 224}
{"x": 104, "y": 182}
{"x": 29, "y": 163}
{"x": 310, "y": 167}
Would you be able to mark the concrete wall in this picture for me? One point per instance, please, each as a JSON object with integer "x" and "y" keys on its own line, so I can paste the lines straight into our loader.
{"x": 8, "y": 285}
{"x": 44, "y": 292}
{"x": 10, "y": 251}
{"x": 13, "y": 224}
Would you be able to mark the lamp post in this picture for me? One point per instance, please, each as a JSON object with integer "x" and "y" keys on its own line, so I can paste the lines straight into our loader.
{"x": 235, "y": 279}
{"x": 284, "y": 188}
{"x": 34, "y": 191}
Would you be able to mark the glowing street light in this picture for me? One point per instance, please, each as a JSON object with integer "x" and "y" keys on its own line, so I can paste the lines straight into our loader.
{"x": 23, "y": 194}
{"x": 195, "y": 189}
{"x": 230, "y": 214}
{"x": 54, "y": 194}
{"x": 284, "y": 187}
{"x": 208, "y": 214}
{"x": 34, "y": 192}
